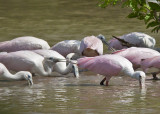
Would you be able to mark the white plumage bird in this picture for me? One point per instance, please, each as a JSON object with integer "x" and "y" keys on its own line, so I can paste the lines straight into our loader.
{"x": 21, "y": 75}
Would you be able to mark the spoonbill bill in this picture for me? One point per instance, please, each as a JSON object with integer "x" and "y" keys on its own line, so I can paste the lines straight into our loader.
{"x": 111, "y": 65}
{"x": 21, "y": 75}
{"x": 23, "y": 43}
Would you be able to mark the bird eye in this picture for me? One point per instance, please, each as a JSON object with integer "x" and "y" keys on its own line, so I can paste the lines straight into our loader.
{"x": 50, "y": 58}
{"x": 29, "y": 76}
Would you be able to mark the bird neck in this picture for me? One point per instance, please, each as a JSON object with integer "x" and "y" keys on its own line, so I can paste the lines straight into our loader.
{"x": 61, "y": 68}
{"x": 9, "y": 76}
{"x": 129, "y": 72}
{"x": 47, "y": 68}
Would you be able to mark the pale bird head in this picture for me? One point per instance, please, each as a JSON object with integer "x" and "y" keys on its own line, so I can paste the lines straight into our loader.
{"x": 101, "y": 37}
{"x": 141, "y": 76}
{"x": 27, "y": 76}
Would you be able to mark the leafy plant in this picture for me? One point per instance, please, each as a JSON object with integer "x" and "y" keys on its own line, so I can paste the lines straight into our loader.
{"x": 146, "y": 10}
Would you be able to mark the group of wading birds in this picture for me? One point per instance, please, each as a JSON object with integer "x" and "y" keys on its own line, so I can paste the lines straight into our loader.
{"x": 28, "y": 56}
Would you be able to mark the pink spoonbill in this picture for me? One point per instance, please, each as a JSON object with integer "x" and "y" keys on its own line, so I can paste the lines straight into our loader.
{"x": 111, "y": 65}
{"x": 23, "y": 43}
{"x": 88, "y": 46}
{"x": 21, "y": 75}
{"x": 30, "y": 61}
{"x": 135, "y": 55}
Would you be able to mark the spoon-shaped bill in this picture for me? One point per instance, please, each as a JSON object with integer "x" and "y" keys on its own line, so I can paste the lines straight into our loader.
{"x": 75, "y": 70}
{"x": 30, "y": 81}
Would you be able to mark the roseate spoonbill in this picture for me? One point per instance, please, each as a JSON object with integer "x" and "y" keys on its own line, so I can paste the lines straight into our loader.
{"x": 88, "y": 46}
{"x": 30, "y": 61}
{"x": 133, "y": 39}
{"x": 135, "y": 55}
{"x": 151, "y": 65}
{"x": 111, "y": 65}
{"x": 23, "y": 43}
{"x": 59, "y": 67}
{"x": 21, "y": 75}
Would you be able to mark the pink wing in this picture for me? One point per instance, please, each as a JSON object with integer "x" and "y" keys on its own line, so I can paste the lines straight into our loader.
{"x": 104, "y": 65}
{"x": 151, "y": 62}
{"x": 135, "y": 55}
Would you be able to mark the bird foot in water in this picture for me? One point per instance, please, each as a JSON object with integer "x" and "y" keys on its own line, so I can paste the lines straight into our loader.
{"x": 155, "y": 78}
{"x": 101, "y": 83}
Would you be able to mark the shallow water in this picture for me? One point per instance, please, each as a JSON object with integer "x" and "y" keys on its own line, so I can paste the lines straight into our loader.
{"x": 56, "y": 20}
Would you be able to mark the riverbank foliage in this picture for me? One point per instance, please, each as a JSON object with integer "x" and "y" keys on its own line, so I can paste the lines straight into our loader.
{"x": 147, "y": 10}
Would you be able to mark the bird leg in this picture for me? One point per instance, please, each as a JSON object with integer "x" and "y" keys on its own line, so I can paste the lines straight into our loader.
{"x": 107, "y": 78}
{"x": 102, "y": 82}
{"x": 154, "y": 76}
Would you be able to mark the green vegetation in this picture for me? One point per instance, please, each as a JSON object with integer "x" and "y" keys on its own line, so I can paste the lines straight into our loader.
{"x": 141, "y": 9}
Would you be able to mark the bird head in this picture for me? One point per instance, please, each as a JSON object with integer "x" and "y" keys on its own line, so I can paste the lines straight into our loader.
{"x": 27, "y": 76}
{"x": 101, "y": 37}
{"x": 140, "y": 75}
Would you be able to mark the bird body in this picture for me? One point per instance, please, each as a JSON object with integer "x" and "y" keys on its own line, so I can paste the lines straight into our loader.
{"x": 26, "y": 61}
{"x": 109, "y": 65}
{"x": 67, "y": 46}
{"x": 23, "y": 43}
{"x": 151, "y": 65}
{"x": 135, "y": 55}
{"x": 137, "y": 39}
{"x": 88, "y": 46}
{"x": 21, "y": 75}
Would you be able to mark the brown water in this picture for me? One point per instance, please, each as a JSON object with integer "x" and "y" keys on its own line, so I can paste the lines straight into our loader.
{"x": 56, "y": 20}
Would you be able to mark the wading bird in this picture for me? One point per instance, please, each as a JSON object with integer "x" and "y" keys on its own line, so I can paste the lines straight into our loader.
{"x": 88, "y": 46}
{"x": 23, "y": 43}
{"x": 111, "y": 65}
{"x": 59, "y": 67}
{"x": 30, "y": 61}
{"x": 21, "y": 75}
{"x": 133, "y": 39}
{"x": 135, "y": 55}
